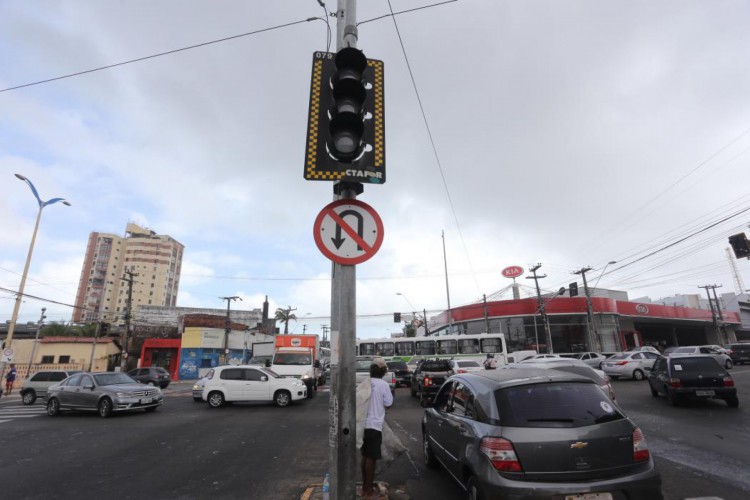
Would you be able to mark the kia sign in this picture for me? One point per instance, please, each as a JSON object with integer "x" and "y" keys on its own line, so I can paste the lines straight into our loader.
{"x": 512, "y": 271}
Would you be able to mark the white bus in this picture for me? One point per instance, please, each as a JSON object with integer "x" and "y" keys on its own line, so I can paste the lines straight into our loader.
{"x": 439, "y": 346}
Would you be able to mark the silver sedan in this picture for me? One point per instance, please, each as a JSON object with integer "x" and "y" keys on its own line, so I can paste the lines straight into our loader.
{"x": 629, "y": 364}
{"x": 103, "y": 393}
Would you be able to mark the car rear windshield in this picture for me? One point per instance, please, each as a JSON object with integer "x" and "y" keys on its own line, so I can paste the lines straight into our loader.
{"x": 559, "y": 404}
{"x": 436, "y": 366}
{"x": 396, "y": 365}
{"x": 740, "y": 347}
{"x": 684, "y": 349}
{"x": 694, "y": 365}
{"x": 467, "y": 364}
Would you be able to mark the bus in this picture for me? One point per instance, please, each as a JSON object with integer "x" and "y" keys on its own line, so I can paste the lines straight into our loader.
{"x": 412, "y": 349}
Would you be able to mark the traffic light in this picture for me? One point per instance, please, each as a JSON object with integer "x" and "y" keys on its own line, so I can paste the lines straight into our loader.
{"x": 346, "y": 122}
{"x": 397, "y": 317}
{"x": 573, "y": 289}
{"x": 740, "y": 245}
{"x": 103, "y": 329}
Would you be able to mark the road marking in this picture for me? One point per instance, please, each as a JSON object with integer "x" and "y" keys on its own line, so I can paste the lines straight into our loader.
{"x": 10, "y": 413}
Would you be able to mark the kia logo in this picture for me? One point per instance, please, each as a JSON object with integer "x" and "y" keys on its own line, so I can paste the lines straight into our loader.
{"x": 512, "y": 271}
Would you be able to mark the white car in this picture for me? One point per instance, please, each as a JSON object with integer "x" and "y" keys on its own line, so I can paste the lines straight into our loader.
{"x": 465, "y": 365}
{"x": 645, "y": 348}
{"x": 537, "y": 357}
{"x": 629, "y": 364}
{"x": 691, "y": 350}
{"x": 250, "y": 383}
{"x": 593, "y": 359}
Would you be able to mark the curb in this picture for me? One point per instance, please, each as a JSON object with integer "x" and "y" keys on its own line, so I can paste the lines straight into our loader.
{"x": 315, "y": 492}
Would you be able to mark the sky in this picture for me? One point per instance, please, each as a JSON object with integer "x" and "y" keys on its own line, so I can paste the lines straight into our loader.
{"x": 567, "y": 134}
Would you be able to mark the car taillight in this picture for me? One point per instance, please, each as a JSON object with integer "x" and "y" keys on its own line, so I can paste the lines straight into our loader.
{"x": 461, "y": 371}
{"x": 675, "y": 382}
{"x": 621, "y": 363}
{"x": 501, "y": 454}
{"x": 427, "y": 381}
{"x": 728, "y": 382}
{"x": 640, "y": 448}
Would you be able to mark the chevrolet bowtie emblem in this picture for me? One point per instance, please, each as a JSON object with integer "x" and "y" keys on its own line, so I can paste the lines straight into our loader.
{"x": 578, "y": 445}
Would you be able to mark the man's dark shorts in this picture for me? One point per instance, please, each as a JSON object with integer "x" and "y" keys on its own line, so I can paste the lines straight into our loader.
{"x": 371, "y": 444}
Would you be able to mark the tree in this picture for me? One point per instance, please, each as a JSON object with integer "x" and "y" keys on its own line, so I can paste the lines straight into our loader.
{"x": 285, "y": 316}
{"x": 55, "y": 330}
{"x": 87, "y": 330}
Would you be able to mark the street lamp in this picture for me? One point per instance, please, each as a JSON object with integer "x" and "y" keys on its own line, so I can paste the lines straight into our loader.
{"x": 602, "y": 273}
{"x": 413, "y": 309}
{"x": 19, "y": 296}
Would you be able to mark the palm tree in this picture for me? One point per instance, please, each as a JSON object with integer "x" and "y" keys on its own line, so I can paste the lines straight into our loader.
{"x": 55, "y": 330}
{"x": 285, "y": 316}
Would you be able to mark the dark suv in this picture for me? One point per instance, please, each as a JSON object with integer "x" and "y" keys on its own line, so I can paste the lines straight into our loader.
{"x": 740, "y": 353}
{"x": 151, "y": 375}
{"x": 401, "y": 371}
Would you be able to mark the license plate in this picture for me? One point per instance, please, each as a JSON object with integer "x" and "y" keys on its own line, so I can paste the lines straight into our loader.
{"x": 590, "y": 496}
{"x": 705, "y": 393}
{"x": 145, "y": 401}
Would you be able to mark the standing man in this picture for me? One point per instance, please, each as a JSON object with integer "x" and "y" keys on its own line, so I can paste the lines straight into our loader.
{"x": 380, "y": 399}
{"x": 10, "y": 378}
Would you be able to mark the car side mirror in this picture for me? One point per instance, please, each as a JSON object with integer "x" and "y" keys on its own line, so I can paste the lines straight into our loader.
{"x": 263, "y": 378}
{"x": 89, "y": 386}
{"x": 268, "y": 363}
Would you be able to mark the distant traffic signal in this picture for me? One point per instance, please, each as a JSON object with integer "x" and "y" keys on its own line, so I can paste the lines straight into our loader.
{"x": 397, "y": 317}
{"x": 573, "y": 289}
{"x": 103, "y": 329}
{"x": 740, "y": 245}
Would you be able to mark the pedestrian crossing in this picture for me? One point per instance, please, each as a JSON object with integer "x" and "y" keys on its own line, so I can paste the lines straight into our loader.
{"x": 10, "y": 412}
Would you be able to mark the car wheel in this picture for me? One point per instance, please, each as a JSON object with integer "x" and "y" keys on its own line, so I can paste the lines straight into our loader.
{"x": 728, "y": 364}
{"x": 105, "y": 408}
{"x": 282, "y": 398}
{"x": 637, "y": 375}
{"x": 421, "y": 394}
{"x": 151, "y": 383}
{"x": 672, "y": 398}
{"x": 654, "y": 392}
{"x": 215, "y": 399}
{"x": 28, "y": 397}
{"x": 151, "y": 409}
{"x": 430, "y": 461}
{"x": 197, "y": 400}
{"x": 472, "y": 491}
{"x": 53, "y": 407}
{"x": 733, "y": 402}
{"x": 413, "y": 391}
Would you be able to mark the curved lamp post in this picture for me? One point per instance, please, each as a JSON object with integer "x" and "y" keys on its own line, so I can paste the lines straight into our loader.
{"x": 19, "y": 295}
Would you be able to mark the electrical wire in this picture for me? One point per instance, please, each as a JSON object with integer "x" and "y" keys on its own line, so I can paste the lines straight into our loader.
{"x": 432, "y": 143}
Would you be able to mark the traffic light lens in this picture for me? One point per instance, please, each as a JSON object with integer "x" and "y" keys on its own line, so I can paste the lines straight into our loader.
{"x": 346, "y": 136}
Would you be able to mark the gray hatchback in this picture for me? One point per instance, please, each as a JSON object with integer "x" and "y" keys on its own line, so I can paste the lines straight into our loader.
{"x": 537, "y": 434}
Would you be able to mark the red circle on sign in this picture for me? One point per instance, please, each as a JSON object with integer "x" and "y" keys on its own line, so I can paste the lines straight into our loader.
{"x": 512, "y": 271}
{"x": 368, "y": 237}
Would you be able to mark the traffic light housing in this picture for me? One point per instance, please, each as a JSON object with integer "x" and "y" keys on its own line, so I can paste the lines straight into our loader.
{"x": 346, "y": 122}
{"x": 397, "y": 317}
{"x": 573, "y": 287}
{"x": 740, "y": 245}
{"x": 103, "y": 329}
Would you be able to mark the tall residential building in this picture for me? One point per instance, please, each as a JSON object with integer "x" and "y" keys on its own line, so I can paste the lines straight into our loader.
{"x": 155, "y": 260}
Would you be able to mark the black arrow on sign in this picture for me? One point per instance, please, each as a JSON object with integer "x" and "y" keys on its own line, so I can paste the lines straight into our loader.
{"x": 338, "y": 240}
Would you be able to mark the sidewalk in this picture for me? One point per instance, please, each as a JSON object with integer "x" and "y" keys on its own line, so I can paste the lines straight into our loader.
{"x": 315, "y": 492}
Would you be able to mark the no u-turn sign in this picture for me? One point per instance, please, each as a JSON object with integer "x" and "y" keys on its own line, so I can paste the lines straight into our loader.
{"x": 348, "y": 231}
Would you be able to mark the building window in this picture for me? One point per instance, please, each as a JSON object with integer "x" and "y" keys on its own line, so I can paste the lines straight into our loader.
{"x": 48, "y": 359}
{"x": 64, "y": 359}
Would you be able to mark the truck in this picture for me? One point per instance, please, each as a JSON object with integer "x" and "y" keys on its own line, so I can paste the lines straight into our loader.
{"x": 429, "y": 376}
{"x": 298, "y": 356}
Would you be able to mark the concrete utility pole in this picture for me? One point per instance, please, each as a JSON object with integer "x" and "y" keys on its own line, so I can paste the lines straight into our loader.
{"x": 342, "y": 435}
{"x": 227, "y": 329}
{"x": 128, "y": 309}
{"x": 541, "y": 309}
{"x": 593, "y": 339}
{"x": 447, "y": 288}
{"x": 486, "y": 317}
{"x": 36, "y": 341}
{"x": 718, "y": 322}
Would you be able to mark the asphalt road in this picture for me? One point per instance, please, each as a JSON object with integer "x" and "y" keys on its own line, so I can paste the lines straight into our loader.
{"x": 187, "y": 451}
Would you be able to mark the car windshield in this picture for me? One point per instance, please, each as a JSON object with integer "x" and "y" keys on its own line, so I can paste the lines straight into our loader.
{"x": 694, "y": 365}
{"x": 291, "y": 358}
{"x": 562, "y": 404}
{"x": 363, "y": 365}
{"x": 113, "y": 379}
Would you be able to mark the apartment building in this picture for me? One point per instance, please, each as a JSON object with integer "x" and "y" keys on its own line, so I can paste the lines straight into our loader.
{"x": 152, "y": 262}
